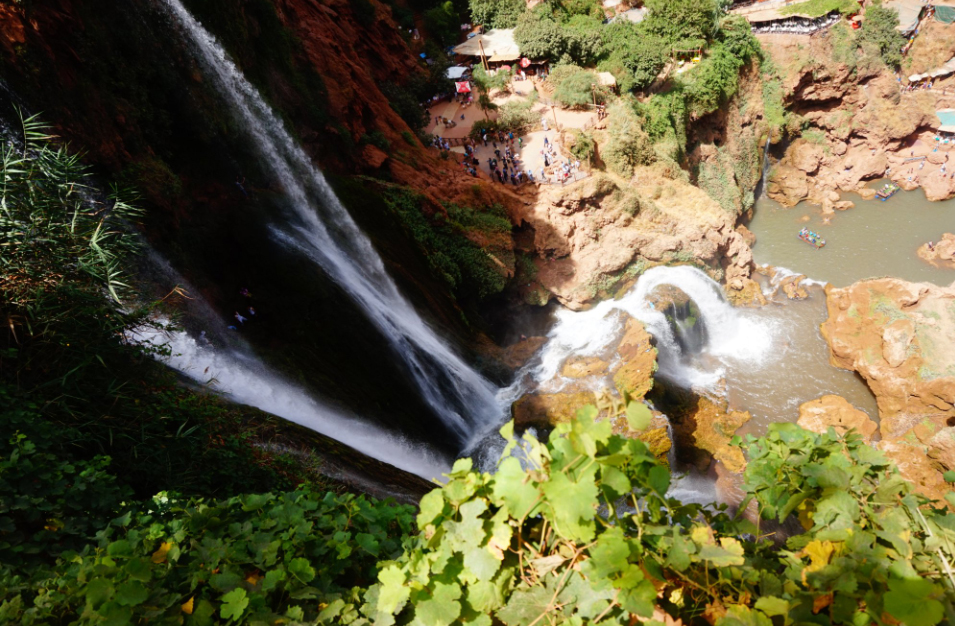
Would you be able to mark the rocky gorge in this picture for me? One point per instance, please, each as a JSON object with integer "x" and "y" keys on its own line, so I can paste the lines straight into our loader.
{"x": 327, "y": 67}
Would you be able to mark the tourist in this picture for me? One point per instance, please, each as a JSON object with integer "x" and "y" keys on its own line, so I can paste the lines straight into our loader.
{"x": 241, "y": 319}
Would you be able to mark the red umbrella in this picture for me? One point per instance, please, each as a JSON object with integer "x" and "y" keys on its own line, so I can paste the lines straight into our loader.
{"x": 463, "y": 87}
{"x": 506, "y": 68}
{"x": 525, "y": 62}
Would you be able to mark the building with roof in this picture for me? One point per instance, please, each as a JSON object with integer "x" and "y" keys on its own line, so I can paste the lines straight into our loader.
{"x": 497, "y": 45}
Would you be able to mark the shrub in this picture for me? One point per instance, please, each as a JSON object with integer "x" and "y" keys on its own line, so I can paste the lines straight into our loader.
{"x": 515, "y": 115}
{"x": 583, "y": 145}
{"x": 579, "y": 90}
{"x": 879, "y": 29}
{"x": 682, "y": 20}
{"x": 442, "y": 23}
{"x": 629, "y": 146}
{"x": 714, "y": 81}
{"x": 496, "y": 13}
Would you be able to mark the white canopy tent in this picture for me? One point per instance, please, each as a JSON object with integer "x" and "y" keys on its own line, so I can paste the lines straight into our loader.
{"x": 457, "y": 71}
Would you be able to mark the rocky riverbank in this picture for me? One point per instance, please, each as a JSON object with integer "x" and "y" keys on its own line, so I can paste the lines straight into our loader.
{"x": 898, "y": 336}
{"x": 856, "y": 123}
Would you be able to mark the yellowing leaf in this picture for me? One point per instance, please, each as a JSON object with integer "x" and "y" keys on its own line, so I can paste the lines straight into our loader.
{"x": 253, "y": 578}
{"x": 187, "y": 607}
{"x": 806, "y": 512}
{"x": 819, "y": 553}
{"x": 159, "y": 556}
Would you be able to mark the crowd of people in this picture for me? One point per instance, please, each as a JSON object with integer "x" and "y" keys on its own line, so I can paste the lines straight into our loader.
{"x": 797, "y": 25}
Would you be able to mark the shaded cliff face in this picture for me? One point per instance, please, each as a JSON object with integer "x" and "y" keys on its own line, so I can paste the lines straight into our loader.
{"x": 118, "y": 81}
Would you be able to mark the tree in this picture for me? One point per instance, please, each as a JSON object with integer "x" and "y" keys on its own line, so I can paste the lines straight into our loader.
{"x": 578, "y": 90}
{"x": 539, "y": 35}
{"x": 714, "y": 81}
{"x": 879, "y": 29}
{"x": 629, "y": 145}
{"x": 681, "y": 20}
{"x": 496, "y": 13}
{"x": 642, "y": 58}
{"x": 442, "y": 23}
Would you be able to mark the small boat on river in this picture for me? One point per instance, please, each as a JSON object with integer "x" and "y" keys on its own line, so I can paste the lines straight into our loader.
{"x": 888, "y": 190}
{"x": 812, "y": 238}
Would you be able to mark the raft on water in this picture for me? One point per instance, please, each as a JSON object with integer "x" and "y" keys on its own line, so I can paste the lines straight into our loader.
{"x": 888, "y": 190}
{"x": 812, "y": 238}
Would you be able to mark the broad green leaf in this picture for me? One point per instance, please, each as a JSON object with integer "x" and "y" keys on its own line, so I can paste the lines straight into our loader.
{"x": 272, "y": 578}
{"x": 393, "y": 593}
{"x": 574, "y": 505}
{"x": 909, "y": 601}
{"x": 481, "y": 563}
{"x": 614, "y": 481}
{"x": 659, "y": 479}
{"x": 511, "y": 489}
{"x": 640, "y": 599}
{"x": 233, "y": 604}
{"x": 131, "y": 593}
{"x": 138, "y": 569}
{"x": 949, "y": 476}
{"x": 301, "y": 569}
{"x": 739, "y": 615}
{"x": 525, "y": 605}
{"x": 772, "y": 606}
{"x": 638, "y": 416}
{"x": 368, "y": 543}
{"x": 729, "y": 552}
{"x": 442, "y": 607}
{"x": 430, "y": 507}
{"x": 485, "y": 596}
{"x": 609, "y": 556}
{"x": 98, "y": 591}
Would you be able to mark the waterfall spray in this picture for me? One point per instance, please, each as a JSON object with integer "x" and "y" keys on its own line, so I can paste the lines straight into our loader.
{"x": 328, "y": 236}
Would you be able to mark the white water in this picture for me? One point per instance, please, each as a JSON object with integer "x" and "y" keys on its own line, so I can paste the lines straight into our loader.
{"x": 247, "y": 381}
{"x": 328, "y": 235}
{"x": 734, "y": 335}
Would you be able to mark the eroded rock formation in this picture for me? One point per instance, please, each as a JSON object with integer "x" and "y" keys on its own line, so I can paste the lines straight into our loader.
{"x": 899, "y": 337}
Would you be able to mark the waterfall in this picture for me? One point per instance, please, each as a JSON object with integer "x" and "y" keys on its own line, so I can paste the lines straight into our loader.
{"x": 327, "y": 235}
{"x": 731, "y": 334}
{"x": 247, "y": 381}
{"x": 761, "y": 185}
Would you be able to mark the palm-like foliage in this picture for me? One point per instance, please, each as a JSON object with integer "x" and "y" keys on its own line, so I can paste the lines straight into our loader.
{"x": 54, "y": 227}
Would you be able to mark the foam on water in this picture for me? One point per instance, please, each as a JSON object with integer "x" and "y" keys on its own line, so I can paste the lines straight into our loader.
{"x": 734, "y": 334}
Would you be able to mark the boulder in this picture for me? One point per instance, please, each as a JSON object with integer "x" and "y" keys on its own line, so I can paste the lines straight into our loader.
{"x": 549, "y": 409}
{"x": 789, "y": 186}
{"x": 896, "y": 339}
{"x": 835, "y": 411}
{"x": 866, "y": 193}
{"x": 638, "y": 361}
{"x": 843, "y": 205}
{"x": 806, "y": 156}
{"x": 583, "y": 366}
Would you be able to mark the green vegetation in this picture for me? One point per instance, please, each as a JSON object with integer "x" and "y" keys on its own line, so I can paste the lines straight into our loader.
{"x": 879, "y": 30}
{"x": 577, "y": 88}
{"x": 583, "y": 533}
{"x": 818, "y": 8}
{"x": 628, "y": 146}
{"x": 496, "y": 13}
{"x": 583, "y": 145}
{"x": 468, "y": 269}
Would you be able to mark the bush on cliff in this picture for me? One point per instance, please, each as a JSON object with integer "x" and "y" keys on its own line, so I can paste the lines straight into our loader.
{"x": 879, "y": 28}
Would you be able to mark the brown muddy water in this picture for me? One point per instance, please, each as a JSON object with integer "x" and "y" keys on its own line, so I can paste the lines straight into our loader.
{"x": 873, "y": 239}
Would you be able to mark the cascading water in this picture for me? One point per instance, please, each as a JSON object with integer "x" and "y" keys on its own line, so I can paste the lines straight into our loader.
{"x": 731, "y": 334}
{"x": 247, "y": 381}
{"x": 328, "y": 236}
{"x": 761, "y": 184}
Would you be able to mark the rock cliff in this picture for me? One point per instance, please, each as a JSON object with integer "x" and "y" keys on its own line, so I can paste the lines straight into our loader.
{"x": 898, "y": 336}
{"x": 856, "y": 122}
